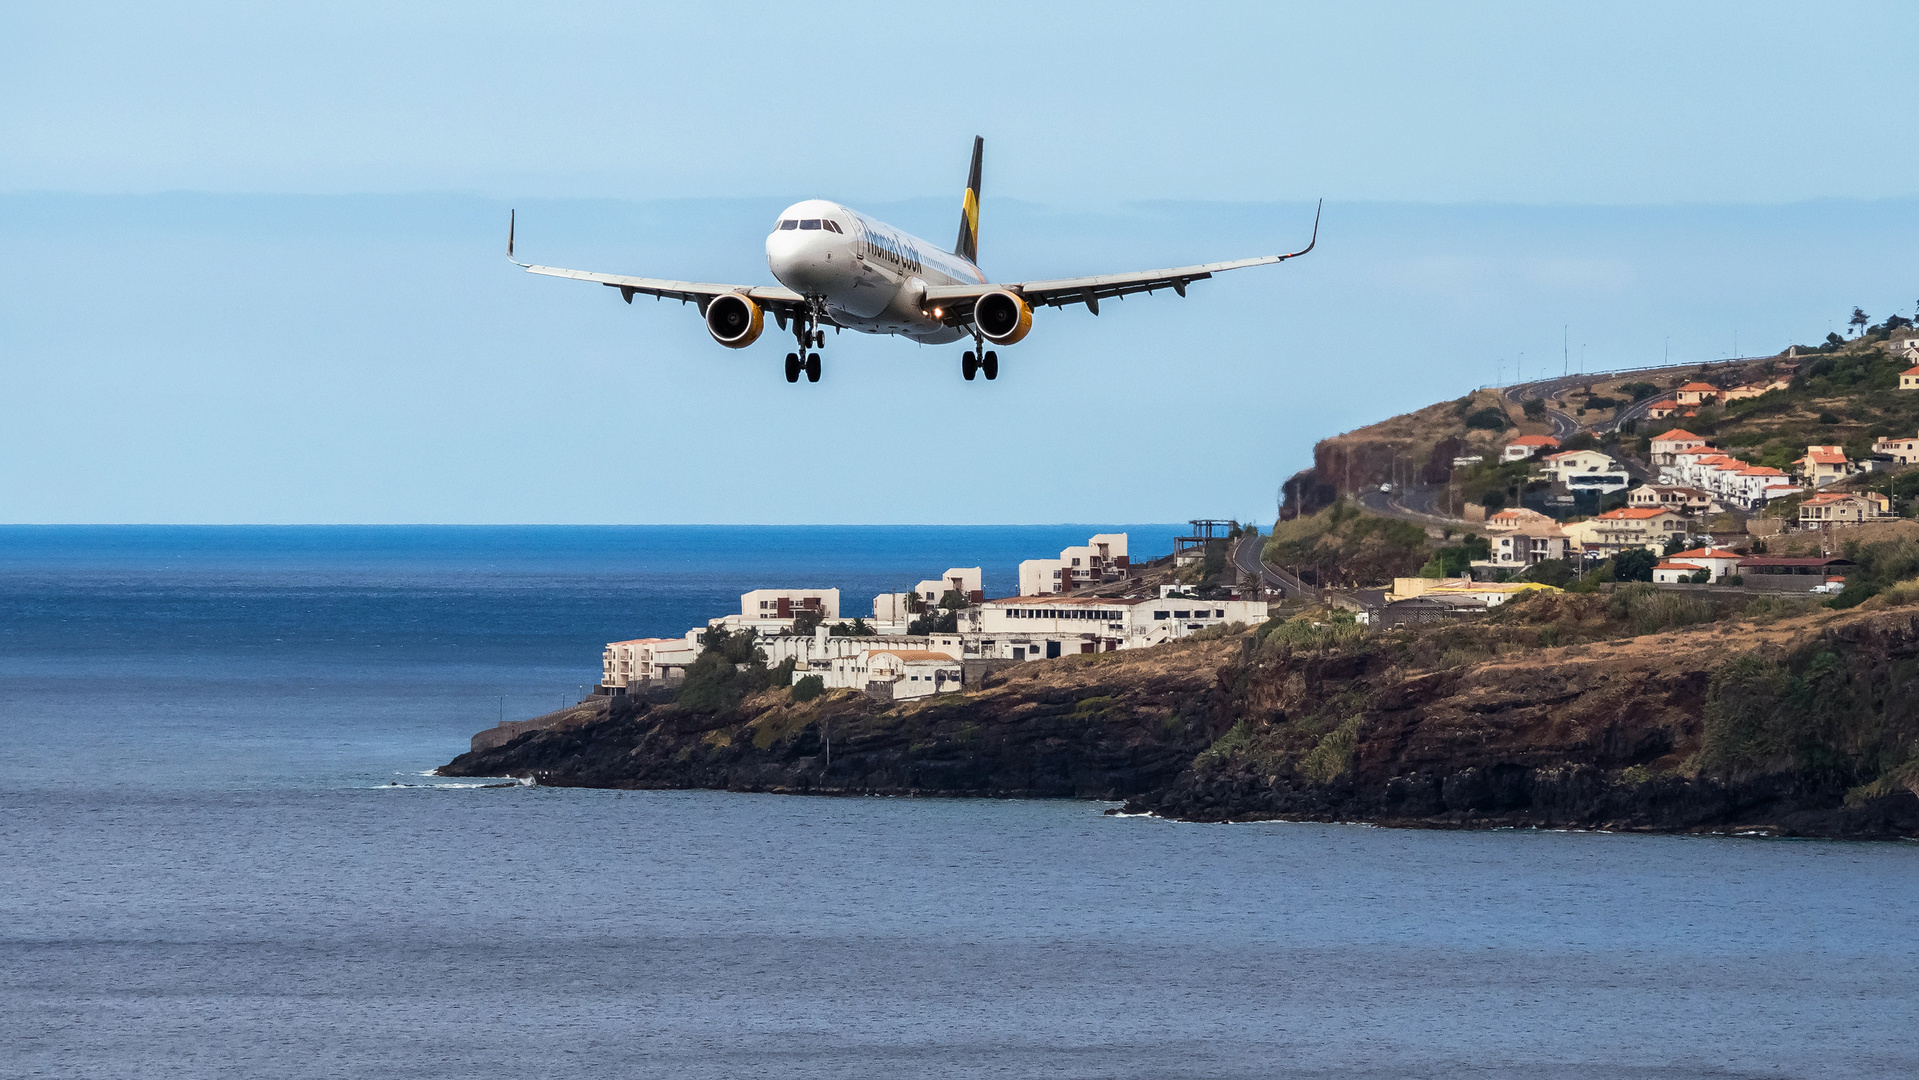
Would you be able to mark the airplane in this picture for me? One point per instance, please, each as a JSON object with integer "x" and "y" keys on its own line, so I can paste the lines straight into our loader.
{"x": 840, "y": 268}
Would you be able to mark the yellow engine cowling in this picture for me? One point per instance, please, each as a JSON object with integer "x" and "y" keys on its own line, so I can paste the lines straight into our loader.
{"x": 735, "y": 321}
{"x": 1002, "y": 317}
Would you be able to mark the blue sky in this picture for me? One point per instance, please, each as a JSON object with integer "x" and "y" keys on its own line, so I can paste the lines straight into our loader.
{"x": 255, "y": 271}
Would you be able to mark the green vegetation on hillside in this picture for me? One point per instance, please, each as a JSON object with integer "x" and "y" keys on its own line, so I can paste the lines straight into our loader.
{"x": 729, "y": 667}
{"x": 1344, "y": 545}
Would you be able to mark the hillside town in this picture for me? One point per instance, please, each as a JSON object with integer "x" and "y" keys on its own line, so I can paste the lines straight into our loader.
{"x": 944, "y": 633}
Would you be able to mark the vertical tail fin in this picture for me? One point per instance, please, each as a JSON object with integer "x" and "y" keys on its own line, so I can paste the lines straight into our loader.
{"x": 968, "y": 246}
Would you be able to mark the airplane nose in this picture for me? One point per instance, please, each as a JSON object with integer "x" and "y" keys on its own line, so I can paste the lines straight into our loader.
{"x": 800, "y": 259}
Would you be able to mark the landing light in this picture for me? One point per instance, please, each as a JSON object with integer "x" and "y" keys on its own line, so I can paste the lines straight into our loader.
{"x": 938, "y": 314}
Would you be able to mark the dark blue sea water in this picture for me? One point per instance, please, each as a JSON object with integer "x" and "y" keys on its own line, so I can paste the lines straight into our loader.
{"x": 204, "y": 872}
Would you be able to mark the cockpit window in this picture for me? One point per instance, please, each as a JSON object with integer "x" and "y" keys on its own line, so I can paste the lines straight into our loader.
{"x": 810, "y": 223}
{"x": 831, "y": 225}
{"x": 790, "y": 223}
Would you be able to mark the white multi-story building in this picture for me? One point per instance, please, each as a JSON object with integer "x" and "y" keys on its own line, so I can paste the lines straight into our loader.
{"x": 645, "y": 661}
{"x": 772, "y": 611}
{"x": 1674, "y": 442}
{"x": 1102, "y": 558}
{"x": 964, "y": 580}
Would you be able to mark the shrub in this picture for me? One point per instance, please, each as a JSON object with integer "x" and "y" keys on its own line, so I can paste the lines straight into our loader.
{"x": 1535, "y": 408}
{"x": 1487, "y": 419}
{"x": 1329, "y": 758}
{"x": 808, "y": 688}
{"x": 1648, "y": 609}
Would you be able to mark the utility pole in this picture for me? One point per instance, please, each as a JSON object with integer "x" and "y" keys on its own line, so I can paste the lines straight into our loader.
{"x": 1565, "y": 350}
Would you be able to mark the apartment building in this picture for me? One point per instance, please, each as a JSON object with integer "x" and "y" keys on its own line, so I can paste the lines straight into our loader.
{"x": 1102, "y": 558}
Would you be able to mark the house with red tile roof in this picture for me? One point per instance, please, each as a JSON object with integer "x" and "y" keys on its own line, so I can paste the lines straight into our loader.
{"x": 1841, "y": 508}
{"x": 1528, "y": 446}
{"x": 1909, "y": 379}
{"x": 1673, "y": 442}
{"x": 1722, "y": 562}
{"x": 1660, "y": 410}
{"x": 1696, "y": 393}
{"x": 1824, "y": 464}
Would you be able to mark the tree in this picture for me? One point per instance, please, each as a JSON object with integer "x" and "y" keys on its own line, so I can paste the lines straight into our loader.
{"x": 1859, "y": 320}
{"x": 1634, "y": 564}
{"x": 858, "y": 628}
{"x": 1535, "y": 409}
{"x": 807, "y": 621}
{"x": 808, "y": 687}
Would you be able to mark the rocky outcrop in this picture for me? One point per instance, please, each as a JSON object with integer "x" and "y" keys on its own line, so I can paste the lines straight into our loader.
{"x": 1630, "y": 735}
{"x": 1657, "y": 733}
{"x": 1105, "y": 726}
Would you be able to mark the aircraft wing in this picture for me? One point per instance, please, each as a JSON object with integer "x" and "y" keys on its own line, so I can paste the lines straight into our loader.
{"x": 956, "y": 301}
{"x": 774, "y": 297}
{"x": 782, "y": 302}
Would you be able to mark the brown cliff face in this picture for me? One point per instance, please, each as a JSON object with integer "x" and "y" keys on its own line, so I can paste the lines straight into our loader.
{"x": 1638, "y": 734}
{"x": 1797, "y": 727}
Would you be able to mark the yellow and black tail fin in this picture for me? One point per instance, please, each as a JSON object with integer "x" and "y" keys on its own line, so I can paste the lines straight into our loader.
{"x": 968, "y": 246}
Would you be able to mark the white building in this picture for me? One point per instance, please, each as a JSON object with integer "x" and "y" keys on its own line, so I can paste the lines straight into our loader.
{"x": 1034, "y": 627}
{"x": 1585, "y": 470}
{"x": 645, "y": 661}
{"x": 904, "y": 673}
{"x": 1528, "y": 446}
{"x": 964, "y": 580}
{"x": 816, "y": 651}
{"x": 1103, "y": 558}
{"x": 1902, "y": 451}
{"x": 1718, "y": 561}
{"x": 1525, "y": 546}
{"x": 772, "y": 611}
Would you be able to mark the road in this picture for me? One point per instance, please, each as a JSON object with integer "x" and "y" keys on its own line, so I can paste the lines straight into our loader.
{"x": 1424, "y": 508}
{"x": 1247, "y": 557}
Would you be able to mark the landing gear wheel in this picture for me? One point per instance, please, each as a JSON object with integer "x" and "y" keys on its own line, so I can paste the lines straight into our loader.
{"x": 819, "y": 339}
{"x": 969, "y": 366}
{"x": 990, "y": 365}
{"x": 813, "y": 367}
{"x": 792, "y": 367}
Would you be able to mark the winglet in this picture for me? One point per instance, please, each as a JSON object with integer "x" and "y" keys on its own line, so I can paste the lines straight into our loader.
{"x": 510, "y": 216}
{"x": 1314, "y": 240}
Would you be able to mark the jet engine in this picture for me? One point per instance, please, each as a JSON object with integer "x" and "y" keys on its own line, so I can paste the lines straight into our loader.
{"x": 1002, "y": 317}
{"x": 734, "y": 320}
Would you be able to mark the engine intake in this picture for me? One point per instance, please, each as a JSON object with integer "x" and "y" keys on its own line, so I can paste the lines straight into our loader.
{"x": 734, "y": 320}
{"x": 1002, "y": 317}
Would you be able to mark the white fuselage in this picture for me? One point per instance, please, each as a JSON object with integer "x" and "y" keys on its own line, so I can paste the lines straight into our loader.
{"x": 872, "y": 277}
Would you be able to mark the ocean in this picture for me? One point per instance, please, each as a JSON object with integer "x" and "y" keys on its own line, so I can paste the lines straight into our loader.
{"x": 225, "y": 855}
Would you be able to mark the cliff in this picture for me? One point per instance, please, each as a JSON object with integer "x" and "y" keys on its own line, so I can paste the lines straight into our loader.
{"x": 1805, "y": 726}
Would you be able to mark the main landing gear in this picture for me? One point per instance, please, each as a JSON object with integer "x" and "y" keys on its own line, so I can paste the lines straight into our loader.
{"x": 987, "y": 362}
{"x": 795, "y": 365}
{"x": 806, "y": 333}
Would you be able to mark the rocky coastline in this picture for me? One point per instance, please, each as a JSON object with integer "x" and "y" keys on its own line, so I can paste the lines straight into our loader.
{"x": 1704, "y": 729}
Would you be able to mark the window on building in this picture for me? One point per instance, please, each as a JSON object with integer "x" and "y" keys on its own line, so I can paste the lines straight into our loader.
{"x": 1159, "y": 614}
{"x": 1219, "y": 613}
{"x": 1182, "y": 614}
